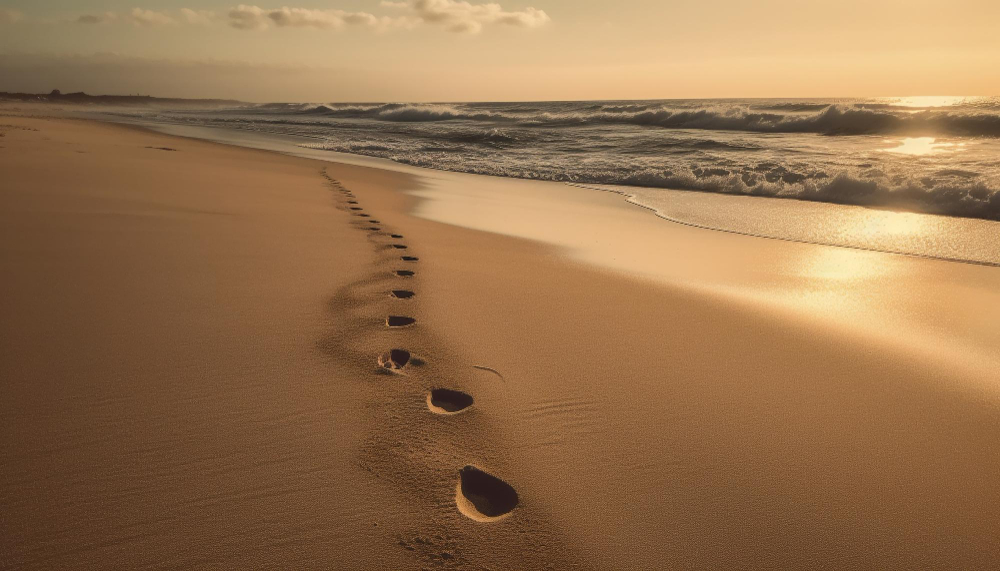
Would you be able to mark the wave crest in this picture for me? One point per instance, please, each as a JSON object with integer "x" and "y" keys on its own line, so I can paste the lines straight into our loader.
{"x": 832, "y": 120}
{"x": 824, "y": 119}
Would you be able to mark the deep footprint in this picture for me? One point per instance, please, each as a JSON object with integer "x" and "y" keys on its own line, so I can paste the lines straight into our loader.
{"x": 483, "y": 497}
{"x": 399, "y": 321}
{"x": 396, "y": 235}
{"x": 404, "y": 273}
{"x": 447, "y": 401}
{"x": 409, "y": 258}
{"x": 356, "y": 208}
{"x": 399, "y": 246}
{"x": 394, "y": 359}
{"x": 402, "y": 293}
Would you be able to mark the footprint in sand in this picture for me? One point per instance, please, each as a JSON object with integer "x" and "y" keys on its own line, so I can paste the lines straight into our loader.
{"x": 483, "y": 497}
{"x": 374, "y": 221}
{"x": 394, "y": 359}
{"x": 402, "y": 293}
{"x": 405, "y": 273}
{"x": 399, "y": 246}
{"x": 395, "y": 321}
{"x": 409, "y": 258}
{"x": 374, "y": 228}
{"x": 352, "y": 201}
{"x": 395, "y": 235}
{"x": 447, "y": 401}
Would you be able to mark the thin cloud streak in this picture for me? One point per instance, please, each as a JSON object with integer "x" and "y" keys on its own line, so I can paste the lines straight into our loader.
{"x": 92, "y": 19}
{"x": 245, "y": 17}
{"x": 465, "y": 17}
{"x": 453, "y": 15}
{"x": 149, "y": 18}
{"x": 458, "y": 16}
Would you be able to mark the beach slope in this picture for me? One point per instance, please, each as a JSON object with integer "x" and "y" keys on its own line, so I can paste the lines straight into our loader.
{"x": 215, "y": 356}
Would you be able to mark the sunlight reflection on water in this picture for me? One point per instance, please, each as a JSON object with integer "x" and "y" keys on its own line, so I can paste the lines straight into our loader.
{"x": 931, "y": 101}
{"x": 919, "y": 146}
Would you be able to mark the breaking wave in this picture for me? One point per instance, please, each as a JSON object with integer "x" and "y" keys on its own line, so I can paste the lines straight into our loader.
{"x": 831, "y": 120}
{"x": 951, "y": 192}
{"x": 830, "y": 150}
{"x": 401, "y": 112}
{"x": 782, "y": 117}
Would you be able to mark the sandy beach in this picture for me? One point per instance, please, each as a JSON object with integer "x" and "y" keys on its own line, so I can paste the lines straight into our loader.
{"x": 215, "y": 356}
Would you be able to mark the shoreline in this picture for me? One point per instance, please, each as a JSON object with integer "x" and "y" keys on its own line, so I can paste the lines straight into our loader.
{"x": 674, "y": 356}
{"x": 977, "y": 230}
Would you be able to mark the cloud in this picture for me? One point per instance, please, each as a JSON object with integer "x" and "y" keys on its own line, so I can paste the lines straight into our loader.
{"x": 452, "y": 15}
{"x": 303, "y": 17}
{"x": 245, "y": 17}
{"x": 105, "y": 18}
{"x": 200, "y": 17}
{"x": 462, "y": 16}
{"x": 9, "y": 16}
{"x": 143, "y": 17}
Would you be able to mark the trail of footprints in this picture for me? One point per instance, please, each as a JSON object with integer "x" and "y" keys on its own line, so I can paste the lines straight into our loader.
{"x": 478, "y": 495}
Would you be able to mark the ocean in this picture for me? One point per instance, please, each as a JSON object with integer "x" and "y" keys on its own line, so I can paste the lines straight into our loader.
{"x": 930, "y": 155}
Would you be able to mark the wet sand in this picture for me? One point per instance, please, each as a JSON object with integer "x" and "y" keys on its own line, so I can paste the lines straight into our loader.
{"x": 218, "y": 356}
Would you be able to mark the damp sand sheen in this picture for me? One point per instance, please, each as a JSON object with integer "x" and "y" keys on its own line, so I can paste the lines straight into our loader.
{"x": 285, "y": 362}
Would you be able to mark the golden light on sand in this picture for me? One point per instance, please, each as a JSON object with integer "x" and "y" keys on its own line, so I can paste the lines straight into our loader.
{"x": 841, "y": 264}
{"x": 883, "y": 223}
{"x": 854, "y": 264}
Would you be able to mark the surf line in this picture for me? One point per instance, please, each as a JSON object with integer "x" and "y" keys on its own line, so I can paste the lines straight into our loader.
{"x": 631, "y": 199}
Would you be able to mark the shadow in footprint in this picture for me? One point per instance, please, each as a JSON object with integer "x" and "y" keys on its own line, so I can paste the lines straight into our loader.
{"x": 394, "y": 359}
{"x": 399, "y": 246}
{"x": 484, "y": 497}
{"x": 396, "y": 235}
{"x": 356, "y": 208}
{"x": 399, "y": 321}
{"x": 402, "y": 293}
{"x": 409, "y": 258}
{"x": 404, "y": 273}
{"x": 447, "y": 401}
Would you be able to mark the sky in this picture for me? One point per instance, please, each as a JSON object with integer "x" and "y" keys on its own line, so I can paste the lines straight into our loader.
{"x": 453, "y": 50}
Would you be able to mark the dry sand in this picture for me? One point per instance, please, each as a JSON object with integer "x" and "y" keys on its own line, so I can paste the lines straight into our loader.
{"x": 197, "y": 369}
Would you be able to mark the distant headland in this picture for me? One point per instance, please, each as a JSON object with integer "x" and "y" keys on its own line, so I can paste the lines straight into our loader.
{"x": 56, "y": 96}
